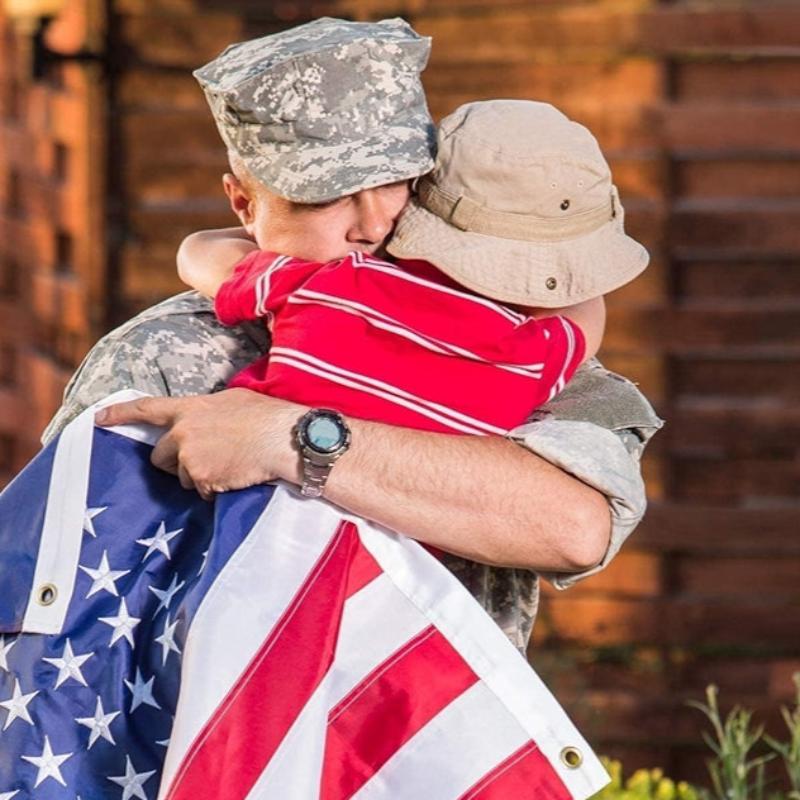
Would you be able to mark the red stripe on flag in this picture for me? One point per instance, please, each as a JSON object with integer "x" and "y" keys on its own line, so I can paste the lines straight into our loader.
{"x": 525, "y": 773}
{"x": 251, "y": 722}
{"x": 363, "y": 569}
{"x": 388, "y": 707}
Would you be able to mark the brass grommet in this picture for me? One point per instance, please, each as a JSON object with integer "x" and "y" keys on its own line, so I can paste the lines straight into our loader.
{"x": 46, "y": 594}
{"x": 551, "y": 283}
{"x": 571, "y": 757}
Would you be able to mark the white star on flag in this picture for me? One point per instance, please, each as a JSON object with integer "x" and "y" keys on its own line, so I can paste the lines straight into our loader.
{"x": 142, "y": 691}
{"x": 17, "y": 705}
{"x": 123, "y": 624}
{"x": 88, "y": 517}
{"x": 49, "y": 764}
{"x": 98, "y": 724}
{"x": 159, "y": 542}
{"x": 103, "y": 578}
{"x": 167, "y": 640}
{"x": 9, "y": 795}
{"x": 165, "y": 595}
{"x": 69, "y": 665}
{"x": 203, "y": 565}
{"x": 4, "y": 648}
{"x": 132, "y": 782}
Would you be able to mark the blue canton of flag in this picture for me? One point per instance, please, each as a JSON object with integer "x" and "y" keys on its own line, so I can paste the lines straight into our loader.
{"x": 87, "y": 711}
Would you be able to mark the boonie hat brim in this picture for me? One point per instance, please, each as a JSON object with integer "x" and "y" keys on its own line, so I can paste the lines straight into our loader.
{"x": 538, "y": 274}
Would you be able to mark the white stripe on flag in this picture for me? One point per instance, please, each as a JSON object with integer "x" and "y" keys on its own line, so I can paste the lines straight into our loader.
{"x": 62, "y": 528}
{"x": 377, "y": 621}
{"x": 452, "y": 752}
{"x": 230, "y": 622}
{"x": 482, "y": 644}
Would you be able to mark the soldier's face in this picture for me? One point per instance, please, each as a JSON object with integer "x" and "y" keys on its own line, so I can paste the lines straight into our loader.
{"x": 327, "y": 231}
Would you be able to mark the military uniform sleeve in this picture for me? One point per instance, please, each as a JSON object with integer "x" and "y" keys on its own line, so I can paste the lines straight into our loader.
{"x": 597, "y": 430}
{"x": 172, "y": 349}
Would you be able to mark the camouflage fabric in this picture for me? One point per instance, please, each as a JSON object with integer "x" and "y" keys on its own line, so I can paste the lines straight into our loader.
{"x": 596, "y": 429}
{"x": 174, "y": 348}
{"x": 325, "y": 109}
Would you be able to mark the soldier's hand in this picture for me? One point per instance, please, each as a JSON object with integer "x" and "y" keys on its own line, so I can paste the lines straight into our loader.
{"x": 214, "y": 443}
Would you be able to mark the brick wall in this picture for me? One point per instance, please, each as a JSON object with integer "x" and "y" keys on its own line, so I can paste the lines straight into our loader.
{"x": 52, "y": 231}
{"x": 697, "y": 106}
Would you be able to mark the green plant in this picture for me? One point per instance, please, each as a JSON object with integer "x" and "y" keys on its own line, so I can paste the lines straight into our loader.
{"x": 790, "y": 751}
{"x": 643, "y": 785}
{"x": 735, "y": 774}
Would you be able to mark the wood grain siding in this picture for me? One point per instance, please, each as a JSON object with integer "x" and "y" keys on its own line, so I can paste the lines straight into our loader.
{"x": 108, "y": 156}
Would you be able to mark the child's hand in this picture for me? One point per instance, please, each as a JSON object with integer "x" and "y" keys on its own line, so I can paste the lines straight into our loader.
{"x": 206, "y": 258}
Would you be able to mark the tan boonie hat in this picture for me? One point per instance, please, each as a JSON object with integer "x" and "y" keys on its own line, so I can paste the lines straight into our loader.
{"x": 325, "y": 109}
{"x": 520, "y": 208}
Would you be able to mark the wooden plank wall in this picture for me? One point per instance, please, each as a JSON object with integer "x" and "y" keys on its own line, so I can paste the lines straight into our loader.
{"x": 697, "y": 106}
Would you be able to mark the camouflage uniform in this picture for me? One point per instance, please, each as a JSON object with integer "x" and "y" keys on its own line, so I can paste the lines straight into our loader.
{"x": 596, "y": 429}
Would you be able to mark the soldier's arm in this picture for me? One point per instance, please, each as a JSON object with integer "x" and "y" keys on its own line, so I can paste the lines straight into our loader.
{"x": 179, "y": 348}
{"x": 483, "y": 498}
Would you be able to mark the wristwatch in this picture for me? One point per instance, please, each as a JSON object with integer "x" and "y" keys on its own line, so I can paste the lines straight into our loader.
{"x": 322, "y": 437}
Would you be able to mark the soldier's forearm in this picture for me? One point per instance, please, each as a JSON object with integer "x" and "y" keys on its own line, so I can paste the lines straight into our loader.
{"x": 483, "y": 498}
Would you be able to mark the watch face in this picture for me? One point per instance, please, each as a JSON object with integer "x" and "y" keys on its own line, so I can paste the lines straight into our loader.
{"x": 324, "y": 434}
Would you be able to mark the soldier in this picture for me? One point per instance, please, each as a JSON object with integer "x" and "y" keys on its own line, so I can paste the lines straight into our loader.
{"x": 326, "y": 124}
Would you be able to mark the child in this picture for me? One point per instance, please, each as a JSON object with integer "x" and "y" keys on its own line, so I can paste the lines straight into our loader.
{"x": 520, "y": 209}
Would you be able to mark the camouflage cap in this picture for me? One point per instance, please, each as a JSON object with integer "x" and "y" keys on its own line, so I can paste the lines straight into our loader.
{"x": 325, "y": 109}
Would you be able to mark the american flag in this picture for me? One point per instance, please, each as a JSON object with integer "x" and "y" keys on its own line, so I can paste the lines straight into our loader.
{"x": 154, "y": 646}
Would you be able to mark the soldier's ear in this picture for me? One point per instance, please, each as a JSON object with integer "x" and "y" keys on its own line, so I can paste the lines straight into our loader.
{"x": 242, "y": 201}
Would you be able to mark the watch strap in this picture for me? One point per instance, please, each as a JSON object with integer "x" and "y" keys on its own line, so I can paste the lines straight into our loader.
{"x": 315, "y": 476}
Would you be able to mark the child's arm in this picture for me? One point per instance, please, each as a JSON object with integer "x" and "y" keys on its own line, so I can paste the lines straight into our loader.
{"x": 589, "y": 316}
{"x": 206, "y": 258}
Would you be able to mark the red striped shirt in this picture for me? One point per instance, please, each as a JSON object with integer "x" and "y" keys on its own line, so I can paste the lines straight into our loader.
{"x": 396, "y": 343}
